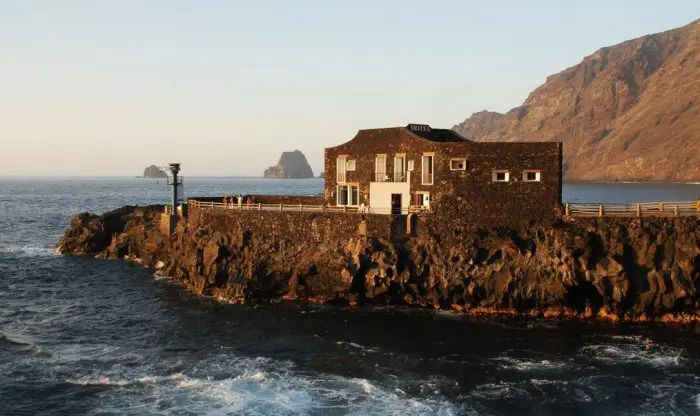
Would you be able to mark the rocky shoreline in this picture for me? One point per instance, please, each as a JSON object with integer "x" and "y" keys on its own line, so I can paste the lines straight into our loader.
{"x": 619, "y": 270}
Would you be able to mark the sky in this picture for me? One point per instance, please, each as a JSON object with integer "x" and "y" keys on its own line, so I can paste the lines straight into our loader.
{"x": 106, "y": 88}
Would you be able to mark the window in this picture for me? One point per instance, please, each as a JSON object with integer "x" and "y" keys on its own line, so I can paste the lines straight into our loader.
{"x": 458, "y": 163}
{"x": 399, "y": 168}
{"x": 531, "y": 176}
{"x": 411, "y": 166}
{"x": 350, "y": 164}
{"x": 348, "y": 195}
{"x": 501, "y": 176}
{"x": 380, "y": 169}
{"x": 427, "y": 169}
{"x": 341, "y": 169}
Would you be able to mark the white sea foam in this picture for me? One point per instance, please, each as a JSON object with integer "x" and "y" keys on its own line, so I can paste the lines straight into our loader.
{"x": 521, "y": 364}
{"x": 28, "y": 251}
{"x": 500, "y": 391}
{"x": 641, "y": 352}
{"x": 356, "y": 346}
{"x": 260, "y": 386}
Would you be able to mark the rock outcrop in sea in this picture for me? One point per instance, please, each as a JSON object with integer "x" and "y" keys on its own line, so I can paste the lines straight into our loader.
{"x": 616, "y": 269}
{"x": 292, "y": 165}
{"x": 154, "y": 172}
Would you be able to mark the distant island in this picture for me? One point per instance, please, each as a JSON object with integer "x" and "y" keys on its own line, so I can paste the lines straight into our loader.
{"x": 292, "y": 165}
{"x": 154, "y": 172}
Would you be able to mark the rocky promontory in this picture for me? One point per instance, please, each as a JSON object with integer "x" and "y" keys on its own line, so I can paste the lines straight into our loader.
{"x": 616, "y": 269}
{"x": 154, "y": 172}
{"x": 292, "y": 165}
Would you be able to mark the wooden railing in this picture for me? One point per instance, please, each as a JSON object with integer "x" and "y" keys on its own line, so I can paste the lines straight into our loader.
{"x": 304, "y": 208}
{"x": 646, "y": 209}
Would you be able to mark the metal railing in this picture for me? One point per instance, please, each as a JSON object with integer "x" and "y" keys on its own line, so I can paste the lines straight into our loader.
{"x": 381, "y": 177}
{"x": 399, "y": 176}
{"x": 646, "y": 209}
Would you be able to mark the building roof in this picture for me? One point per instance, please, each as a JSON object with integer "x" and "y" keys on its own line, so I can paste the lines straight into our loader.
{"x": 435, "y": 135}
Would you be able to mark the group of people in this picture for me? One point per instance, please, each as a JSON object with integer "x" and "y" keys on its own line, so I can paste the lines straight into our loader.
{"x": 232, "y": 200}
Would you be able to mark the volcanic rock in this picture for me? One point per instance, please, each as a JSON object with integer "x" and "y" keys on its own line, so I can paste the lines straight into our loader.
{"x": 292, "y": 165}
{"x": 627, "y": 112}
{"x": 154, "y": 172}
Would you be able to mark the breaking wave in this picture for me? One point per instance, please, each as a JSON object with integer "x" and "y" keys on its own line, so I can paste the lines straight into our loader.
{"x": 258, "y": 386}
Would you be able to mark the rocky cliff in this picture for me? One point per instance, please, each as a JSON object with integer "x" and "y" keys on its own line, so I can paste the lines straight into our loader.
{"x": 153, "y": 172}
{"x": 292, "y": 165}
{"x": 626, "y": 112}
{"x": 620, "y": 269}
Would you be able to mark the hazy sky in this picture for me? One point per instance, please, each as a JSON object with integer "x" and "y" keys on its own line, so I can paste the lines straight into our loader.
{"x": 109, "y": 87}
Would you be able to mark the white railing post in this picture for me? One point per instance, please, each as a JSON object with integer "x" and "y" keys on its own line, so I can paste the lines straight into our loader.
{"x": 301, "y": 207}
{"x": 281, "y": 207}
{"x": 259, "y": 206}
{"x": 600, "y": 210}
{"x": 675, "y": 210}
{"x": 567, "y": 210}
{"x": 639, "y": 211}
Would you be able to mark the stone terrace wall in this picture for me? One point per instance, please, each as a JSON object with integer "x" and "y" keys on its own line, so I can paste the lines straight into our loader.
{"x": 310, "y": 227}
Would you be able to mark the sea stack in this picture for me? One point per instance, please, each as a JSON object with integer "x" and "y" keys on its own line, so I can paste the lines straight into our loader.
{"x": 154, "y": 172}
{"x": 292, "y": 165}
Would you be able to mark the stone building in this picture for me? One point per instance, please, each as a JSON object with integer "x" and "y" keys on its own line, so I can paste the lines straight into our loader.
{"x": 419, "y": 168}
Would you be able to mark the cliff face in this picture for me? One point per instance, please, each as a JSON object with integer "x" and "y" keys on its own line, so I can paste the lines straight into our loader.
{"x": 292, "y": 165}
{"x": 618, "y": 269}
{"x": 153, "y": 172}
{"x": 627, "y": 112}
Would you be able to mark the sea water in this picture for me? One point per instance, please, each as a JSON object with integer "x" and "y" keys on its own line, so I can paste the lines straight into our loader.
{"x": 80, "y": 335}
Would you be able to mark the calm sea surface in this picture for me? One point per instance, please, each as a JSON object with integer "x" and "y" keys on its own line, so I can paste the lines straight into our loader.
{"x": 80, "y": 335}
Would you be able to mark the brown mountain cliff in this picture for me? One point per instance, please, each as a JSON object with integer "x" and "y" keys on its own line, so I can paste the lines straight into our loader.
{"x": 627, "y": 112}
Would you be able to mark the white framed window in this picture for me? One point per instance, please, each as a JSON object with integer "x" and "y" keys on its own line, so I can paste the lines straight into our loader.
{"x": 501, "y": 176}
{"x": 410, "y": 166}
{"x": 427, "y": 169}
{"x": 380, "y": 169}
{"x": 458, "y": 163}
{"x": 341, "y": 169}
{"x": 400, "y": 168}
{"x": 531, "y": 176}
{"x": 350, "y": 164}
{"x": 348, "y": 195}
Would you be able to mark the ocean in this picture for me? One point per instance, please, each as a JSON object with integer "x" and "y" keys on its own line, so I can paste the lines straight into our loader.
{"x": 83, "y": 336}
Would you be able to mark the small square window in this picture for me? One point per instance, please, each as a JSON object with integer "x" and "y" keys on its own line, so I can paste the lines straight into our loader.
{"x": 501, "y": 176}
{"x": 531, "y": 176}
{"x": 350, "y": 164}
{"x": 411, "y": 166}
{"x": 458, "y": 164}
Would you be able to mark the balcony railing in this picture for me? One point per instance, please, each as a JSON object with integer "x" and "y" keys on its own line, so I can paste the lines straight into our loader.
{"x": 381, "y": 177}
{"x": 385, "y": 177}
{"x": 399, "y": 176}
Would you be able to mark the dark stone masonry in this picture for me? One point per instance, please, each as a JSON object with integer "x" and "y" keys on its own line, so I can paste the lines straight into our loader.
{"x": 461, "y": 173}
